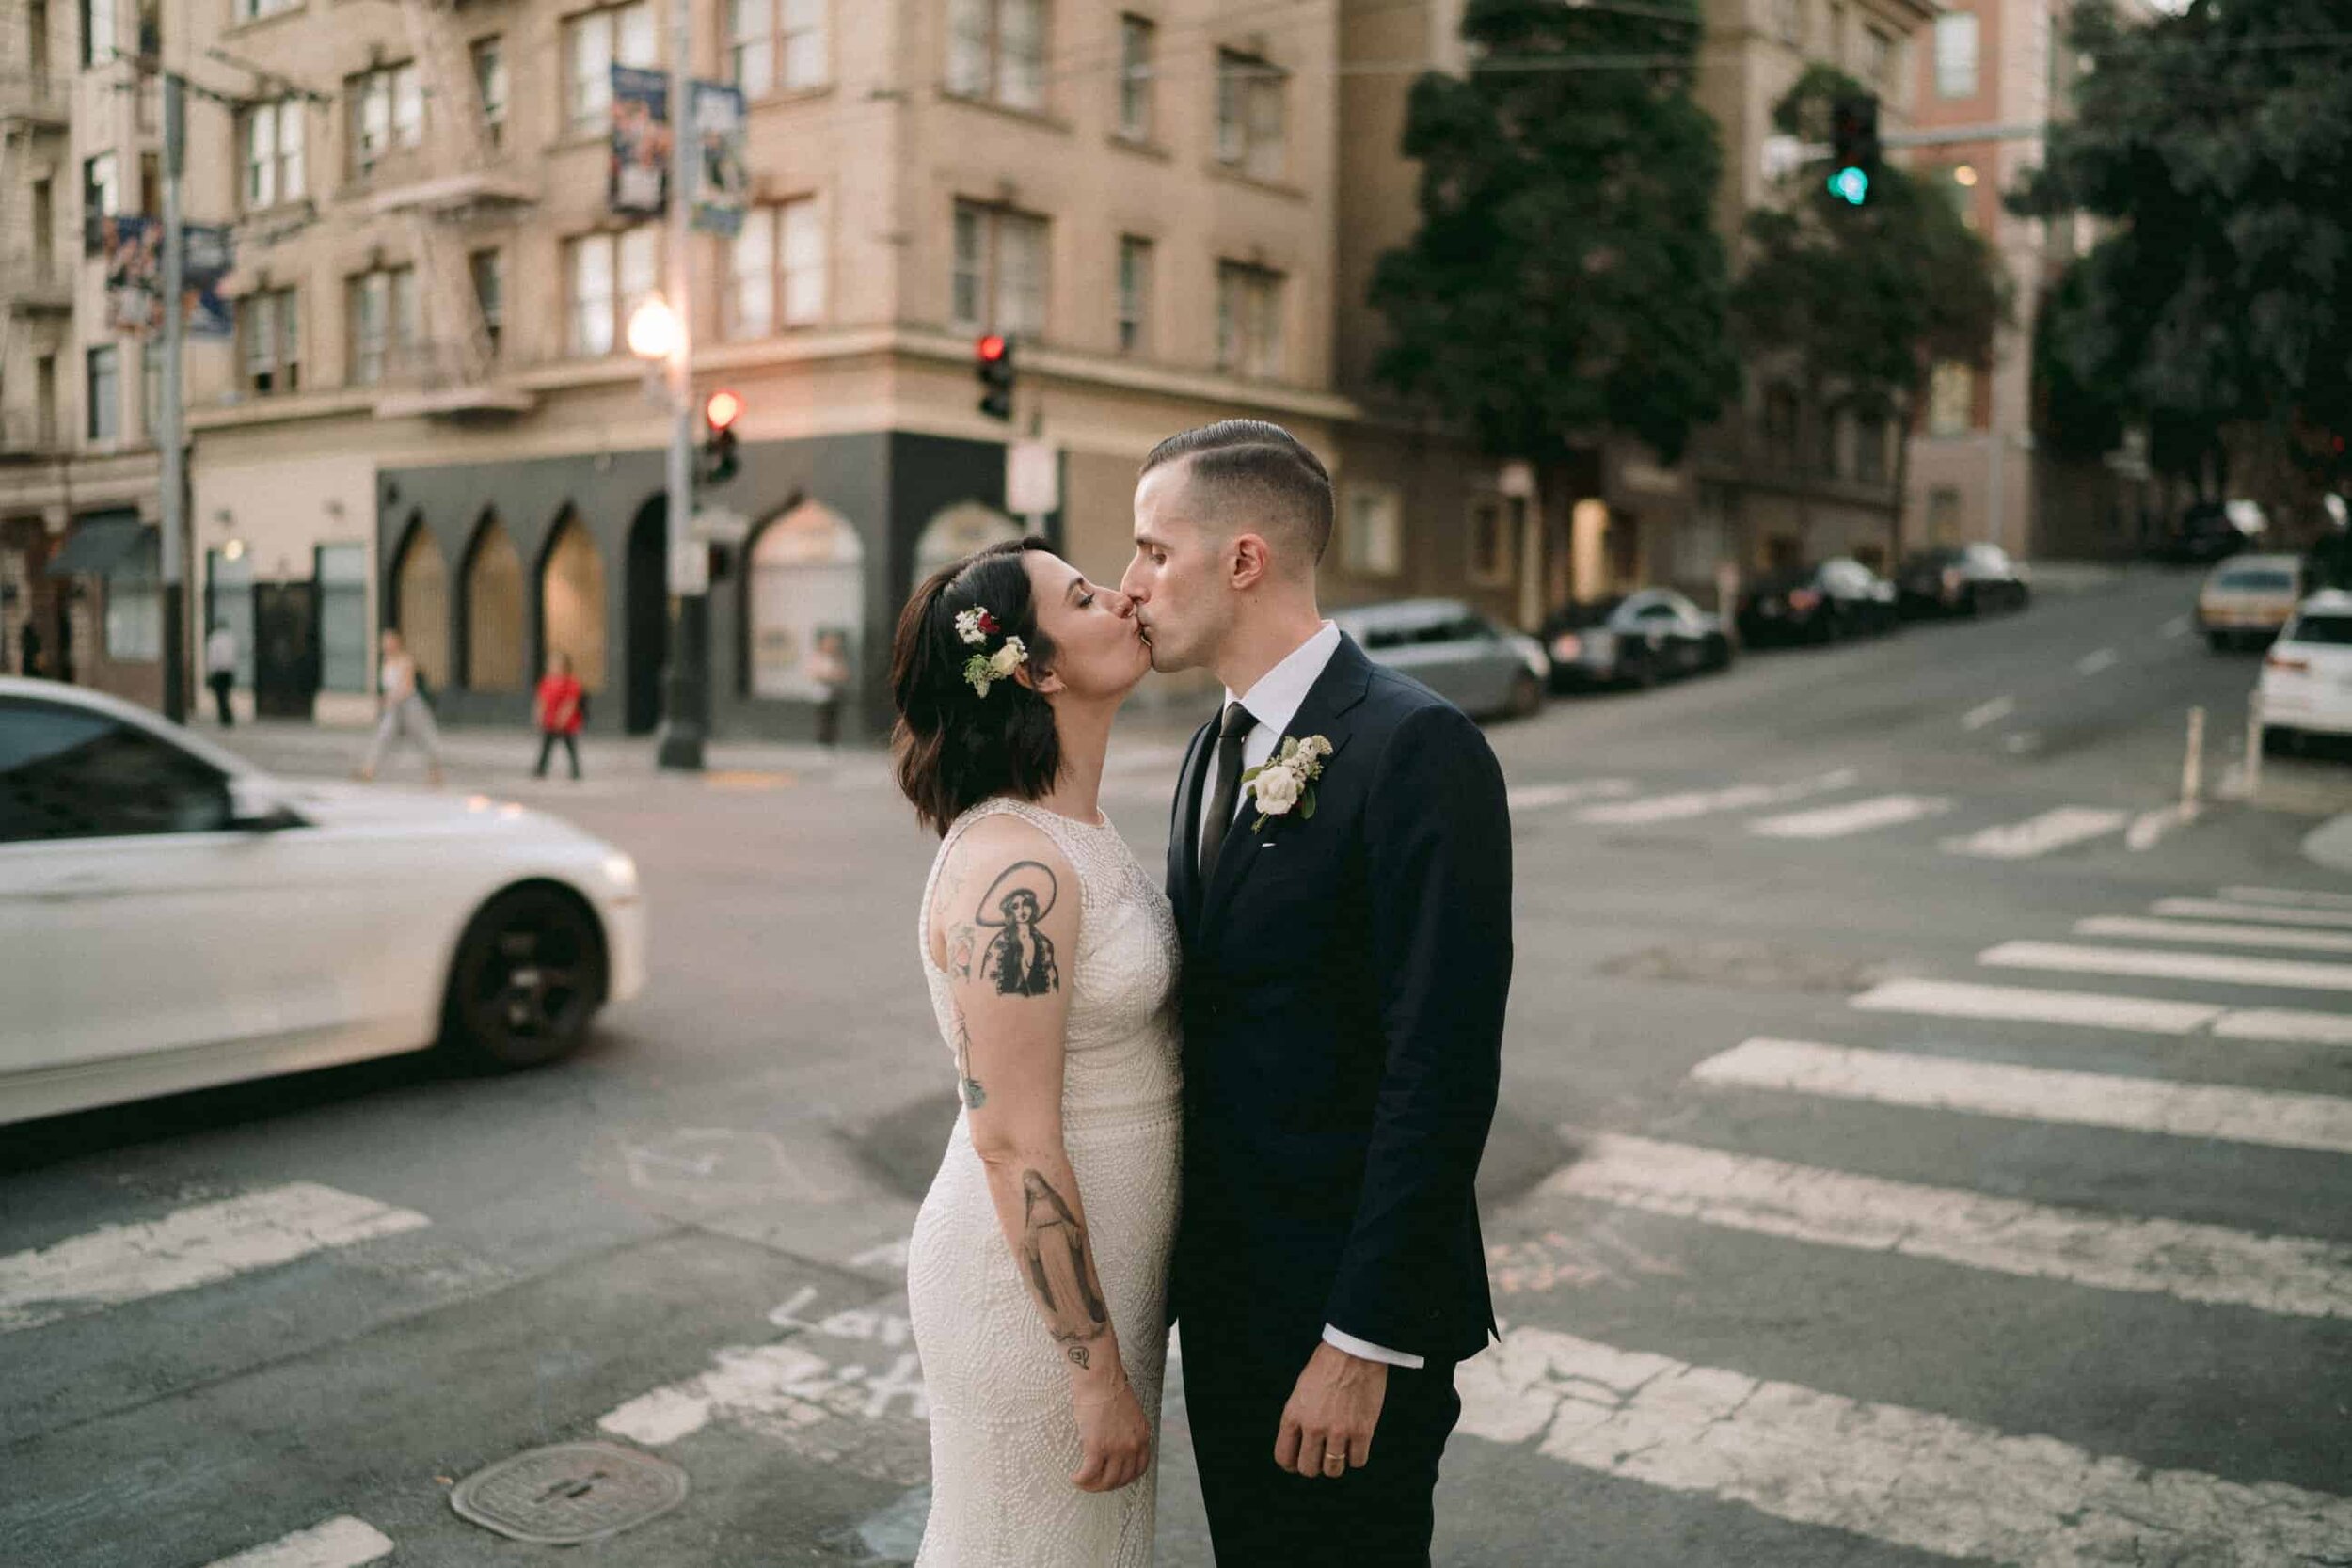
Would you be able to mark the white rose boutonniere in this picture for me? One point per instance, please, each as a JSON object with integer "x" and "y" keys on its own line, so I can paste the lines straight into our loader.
{"x": 1286, "y": 781}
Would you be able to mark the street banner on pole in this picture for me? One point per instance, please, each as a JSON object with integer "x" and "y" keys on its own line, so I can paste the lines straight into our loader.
{"x": 1032, "y": 478}
{"x": 721, "y": 169}
{"x": 208, "y": 253}
{"x": 131, "y": 246}
{"x": 639, "y": 178}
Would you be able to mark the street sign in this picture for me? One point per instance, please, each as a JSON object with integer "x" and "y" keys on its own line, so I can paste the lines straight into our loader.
{"x": 689, "y": 567}
{"x": 1032, "y": 478}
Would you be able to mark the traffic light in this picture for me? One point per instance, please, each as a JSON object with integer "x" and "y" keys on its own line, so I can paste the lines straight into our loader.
{"x": 719, "y": 416}
{"x": 1853, "y": 148}
{"x": 992, "y": 361}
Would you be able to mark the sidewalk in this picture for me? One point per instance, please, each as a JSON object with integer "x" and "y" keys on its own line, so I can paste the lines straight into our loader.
{"x": 2329, "y": 845}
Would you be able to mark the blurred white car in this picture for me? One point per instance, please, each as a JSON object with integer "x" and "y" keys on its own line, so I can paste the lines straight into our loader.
{"x": 171, "y": 918}
{"x": 2306, "y": 685}
{"x": 1483, "y": 669}
{"x": 2245, "y": 599}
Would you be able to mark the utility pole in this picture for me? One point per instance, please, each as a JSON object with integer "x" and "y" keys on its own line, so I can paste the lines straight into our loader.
{"x": 172, "y": 414}
{"x": 685, "y": 696}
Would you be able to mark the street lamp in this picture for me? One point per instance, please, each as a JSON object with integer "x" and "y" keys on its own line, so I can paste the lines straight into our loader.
{"x": 653, "y": 330}
{"x": 658, "y": 335}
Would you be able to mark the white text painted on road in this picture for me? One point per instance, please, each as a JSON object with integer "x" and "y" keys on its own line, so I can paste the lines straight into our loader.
{"x": 2214, "y": 931}
{"x": 2024, "y": 1004}
{"x": 200, "y": 1245}
{"x": 2035, "y": 1094}
{"x": 342, "y": 1543}
{"x": 1988, "y": 713}
{"x": 1909, "y": 1478}
{"x": 1684, "y": 804}
{"x": 1857, "y": 817}
{"x": 2056, "y": 829}
{"x": 2227, "y": 968}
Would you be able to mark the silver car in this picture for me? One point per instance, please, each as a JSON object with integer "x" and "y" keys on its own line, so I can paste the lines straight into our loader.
{"x": 1481, "y": 668}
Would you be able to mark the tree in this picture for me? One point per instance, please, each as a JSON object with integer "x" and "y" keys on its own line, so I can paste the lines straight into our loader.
{"x": 1858, "y": 304}
{"x": 1566, "y": 280}
{"x": 2215, "y": 148}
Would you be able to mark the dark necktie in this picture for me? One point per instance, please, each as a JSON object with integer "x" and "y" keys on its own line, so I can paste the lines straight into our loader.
{"x": 1231, "y": 737}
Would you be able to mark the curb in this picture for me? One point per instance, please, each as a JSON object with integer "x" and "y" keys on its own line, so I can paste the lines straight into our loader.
{"x": 2331, "y": 843}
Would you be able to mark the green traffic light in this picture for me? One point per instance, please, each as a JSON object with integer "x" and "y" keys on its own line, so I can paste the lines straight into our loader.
{"x": 1850, "y": 186}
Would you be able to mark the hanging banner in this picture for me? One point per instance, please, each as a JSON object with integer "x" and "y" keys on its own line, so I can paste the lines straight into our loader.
{"x": 639, "y": 182}
{"x": 132, "y": 247}
{"x": 207, "y": 255}
{"x": 723, "y": 176}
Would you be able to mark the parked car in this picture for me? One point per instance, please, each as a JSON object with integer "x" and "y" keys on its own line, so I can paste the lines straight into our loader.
{"x": 1963, "y": 579}
{"x": 2306, "y": 684}
{"x": 1483, "y": 669}
{"x": 2207, "y": 531}
{"x": 2245, "y": 600}
{"x": 171, "y": 918}
{"x": 1637, "y": 639}
{"x": 1840, "y": 597}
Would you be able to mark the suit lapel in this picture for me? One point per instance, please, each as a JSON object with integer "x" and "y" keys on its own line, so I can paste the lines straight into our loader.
{"x": 1183, "y": 828}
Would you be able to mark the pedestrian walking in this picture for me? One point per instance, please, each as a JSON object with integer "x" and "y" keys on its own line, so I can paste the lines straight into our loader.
{"x": 220, "y": 670}
{"x": 28, "y": 650}
{"x": 828, "y": 669}
{"x": 406, "y": 714}
{"x": 560, "y": 698}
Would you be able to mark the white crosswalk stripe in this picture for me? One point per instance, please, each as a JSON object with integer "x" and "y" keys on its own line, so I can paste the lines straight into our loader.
{"x": 2287, "y": 1026}
{"x": 2287, "y": 1275}
{"x": 2278, "y": 914}
{"x": 339, "y": 1543}
{"x": 1682, "y": 805}
{"x": 1905, "y": 1476}
{"x": 2214, "y": 931}
{"x": 2300, "y": 898}
{"x": 200, "y": 1246}
{"x": 2058, "y": 829}
{"x": 2228, "y": 968}
{"x": 1545, "y": 796}
{"x": 2281, "y": 1120}
{"x": 2022, "y": 1004}
{"x": 1855, "y": 816}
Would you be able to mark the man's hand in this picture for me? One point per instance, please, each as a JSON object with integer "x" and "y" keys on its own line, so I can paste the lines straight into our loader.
{"x": 1328, "y": 1424}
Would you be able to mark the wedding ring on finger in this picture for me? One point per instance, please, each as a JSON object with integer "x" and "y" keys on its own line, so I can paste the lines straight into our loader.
{"x": 1335, "y": 1461}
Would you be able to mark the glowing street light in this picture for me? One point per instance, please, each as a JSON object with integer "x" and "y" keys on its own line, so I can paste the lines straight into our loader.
{"x": 653, "y": 330}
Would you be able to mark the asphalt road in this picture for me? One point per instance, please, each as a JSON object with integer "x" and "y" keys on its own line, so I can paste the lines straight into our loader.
{"x": 1805, "y": 1258}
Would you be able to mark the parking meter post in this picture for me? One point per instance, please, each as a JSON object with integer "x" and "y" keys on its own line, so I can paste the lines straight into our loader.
{"x": 2193, "y": 765}
{"x": 2254, "y": 747}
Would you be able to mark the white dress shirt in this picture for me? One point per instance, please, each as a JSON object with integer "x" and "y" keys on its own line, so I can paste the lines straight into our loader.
{"x": 1274, "y": 702}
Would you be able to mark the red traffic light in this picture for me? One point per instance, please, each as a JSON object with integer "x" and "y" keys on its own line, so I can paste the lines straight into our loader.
{"x": 724, "y": 409}
{"x": 992, "y": 348}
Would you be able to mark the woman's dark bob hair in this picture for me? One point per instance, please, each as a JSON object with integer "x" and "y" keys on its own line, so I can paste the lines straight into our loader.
{"x": 955, "y": 748}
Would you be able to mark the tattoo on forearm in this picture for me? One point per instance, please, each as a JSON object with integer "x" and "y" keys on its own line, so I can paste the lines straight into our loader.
{"x": 1061, "y": 1263}
{"x": 967, "y": 1086}
{"x": 1020, "y": 957}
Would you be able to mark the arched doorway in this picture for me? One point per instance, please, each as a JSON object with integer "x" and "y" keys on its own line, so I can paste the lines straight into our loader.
{"x": 420, "y": 602}
{"x": 495, "y": 643}
{"x": 571, "y": 601}
{"x": 649, "y": 608}
{"x": 807, "y": 581}
{"x": 957, "y": 532}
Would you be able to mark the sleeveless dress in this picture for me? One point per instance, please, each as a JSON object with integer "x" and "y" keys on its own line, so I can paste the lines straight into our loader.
{"x": 1003, "y": 1439}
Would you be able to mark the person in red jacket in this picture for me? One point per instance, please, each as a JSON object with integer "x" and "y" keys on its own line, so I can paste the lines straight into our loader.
{"x": 559, "y": 711}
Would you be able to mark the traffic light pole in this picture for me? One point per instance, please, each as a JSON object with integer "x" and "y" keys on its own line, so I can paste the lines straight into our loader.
{"x": 169, "y": 434}
{"x": 686, "y": 682}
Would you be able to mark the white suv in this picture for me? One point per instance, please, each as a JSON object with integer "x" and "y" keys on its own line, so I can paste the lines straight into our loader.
{"x": 2306, "y": 682}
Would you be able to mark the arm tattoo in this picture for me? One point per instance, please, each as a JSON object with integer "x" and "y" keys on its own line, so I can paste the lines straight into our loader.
{"x": 1054, "y": 1249}
{"x": 1020, "y": 957}
{"x": 967, "y": 1086}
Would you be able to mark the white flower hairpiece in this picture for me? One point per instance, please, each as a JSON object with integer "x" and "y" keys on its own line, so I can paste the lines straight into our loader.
{"x": 985, "y": 669}
{"x": 976, "y": 625}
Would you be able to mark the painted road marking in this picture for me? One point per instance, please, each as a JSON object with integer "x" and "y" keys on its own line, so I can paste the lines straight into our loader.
{"x": 1988, "y": 713}
{"x": 1909, "y": 1478}
{"x": 2225, "y": 967}
{"x": 1856, "y": 817}
{"x": 2022, "y": 1004}
{"x": 2019, "y": 744}
{"x": 2149, "y": 827}
{"x": 2177, "y": 627}
{"x": 2280, "y": 915}
{"x": 2302, "y": 897}
{"x": 2268, "y": 1117}
{"x": 2291, "y": 1275}
{"x": 2286, "y": 1025}
{"x": 1684, "y": 804}
{"x": 341, "y": 1542}
{"x": 200, "y": 1245}
{"x": 2039, "y": 836}
{"x": 2090, "y": 664}
{"x": 1540, "y": 797}
{"x": 2213, "y": 931}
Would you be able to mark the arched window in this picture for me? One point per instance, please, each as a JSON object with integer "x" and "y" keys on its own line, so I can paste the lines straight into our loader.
{"x": 807, "y": 581}
{"x": 494, "y": 611}
{"x": 421, "y": 603}
{"x": 956, "y": 532}
{"x": 571, "y": 601}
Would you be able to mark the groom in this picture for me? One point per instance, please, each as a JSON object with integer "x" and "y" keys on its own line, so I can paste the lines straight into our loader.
{"x": 1347, "y": 952}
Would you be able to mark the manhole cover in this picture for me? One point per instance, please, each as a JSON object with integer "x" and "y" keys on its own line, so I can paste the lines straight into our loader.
{"x": 570, "y": 1493}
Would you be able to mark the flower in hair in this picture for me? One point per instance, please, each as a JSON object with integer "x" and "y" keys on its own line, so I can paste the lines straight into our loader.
{"x": 985, "y": 669}
{"x": 976, "y": 625}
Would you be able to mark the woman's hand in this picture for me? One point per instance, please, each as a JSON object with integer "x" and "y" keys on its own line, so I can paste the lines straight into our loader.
{"x": 1118, "y": 1439}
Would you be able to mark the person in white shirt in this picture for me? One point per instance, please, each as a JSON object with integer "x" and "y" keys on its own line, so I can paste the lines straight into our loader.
{"x": 220, "y": 669}
{"x": 406, "y": 714}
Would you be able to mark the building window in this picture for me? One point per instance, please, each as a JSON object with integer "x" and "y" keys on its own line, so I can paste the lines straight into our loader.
{"x": 494, "y": 611}
{"x": 1373, "y": 542}
{"x": 273, "y": 343}
{"x": 1135, "y": 294}
{"x": 489, "y": 85}
{"x": 1869, "y": 451}
{"x": 1780, "y": 426}
{"x": 610, "y": 274}
{"x": 253, "y": 10}
{"x": 46, "y": 402}
{"x": 999, "y": 282}
{"x": 1878, "y": 56}
{"x": 384, "y": 326}
{"x": 777, "y": 264}
{"x": 1248, "y": 321}
{"x": 106, "y": 394}
{"x": 1944, "y": 515}
{"x": 342, "y": 580}
{"x": 1836, "y": 42}
{"x": 97, "y": 32}
{"x": 592, "y": 45}
{"x": 805, "y": 588}
{"x": 487, "y": 268}
{"x": 1956, "y": 54}
{"x": 1249, "y": 114}
{"x": 996, "y": 50}
{"x": 102, "y": 186}
{"x": 134, "y": 603}
{"x": 1489, "y": 536}
{"x": 1137, "y": 39}
{"x": 274, "y": 171}
{"x": 776, "y": 45}
{"x": 386, "y": 114}
{"x": 1827, "y": 430}
{"x": 1951, "y": 398}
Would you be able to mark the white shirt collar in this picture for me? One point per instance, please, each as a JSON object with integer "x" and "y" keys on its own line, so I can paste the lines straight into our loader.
{"x": 1274, "y": 702}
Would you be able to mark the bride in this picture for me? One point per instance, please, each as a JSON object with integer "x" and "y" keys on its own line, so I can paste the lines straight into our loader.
{"x": 1037, "y": 1271}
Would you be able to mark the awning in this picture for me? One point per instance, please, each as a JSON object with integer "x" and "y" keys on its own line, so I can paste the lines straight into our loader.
{"x": 96, "y": 547}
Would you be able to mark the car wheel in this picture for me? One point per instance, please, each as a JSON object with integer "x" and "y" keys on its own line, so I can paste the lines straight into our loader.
{"x": 1719, "y": 653}
{"x": 1641, "y": 671}
{"x": 1527, "y": 696}
{"x": 530, "y": 975}
{"x": 2279, "y": 740}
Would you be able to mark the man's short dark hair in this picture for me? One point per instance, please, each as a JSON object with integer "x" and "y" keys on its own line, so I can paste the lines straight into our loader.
{"x": 1254, "y": 469}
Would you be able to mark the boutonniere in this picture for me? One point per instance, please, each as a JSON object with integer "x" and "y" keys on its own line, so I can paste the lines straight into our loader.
{"x": 1286, "y": 781}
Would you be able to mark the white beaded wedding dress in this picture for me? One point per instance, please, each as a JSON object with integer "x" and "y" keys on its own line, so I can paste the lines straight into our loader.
{"x": 1003, "y": 1440}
